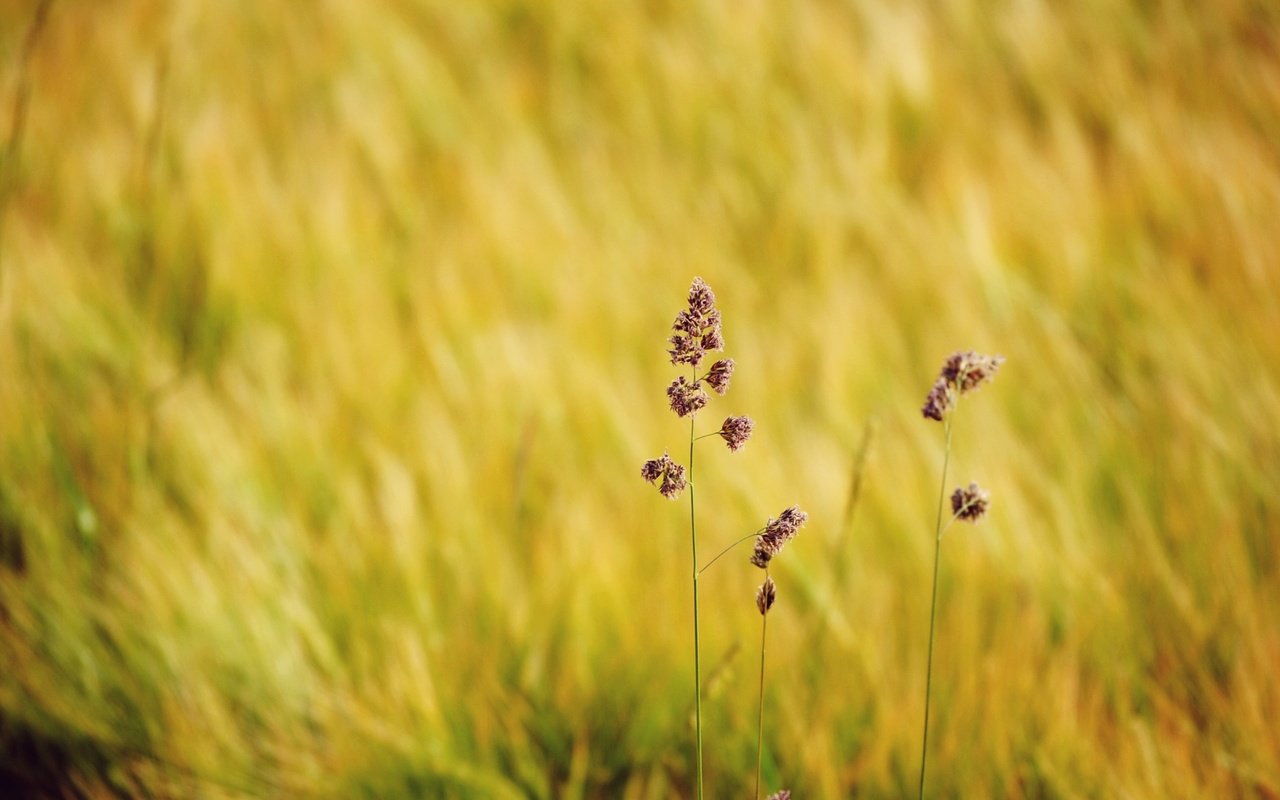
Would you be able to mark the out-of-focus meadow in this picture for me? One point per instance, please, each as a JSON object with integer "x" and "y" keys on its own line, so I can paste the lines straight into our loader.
{"x": 332, "y": 341}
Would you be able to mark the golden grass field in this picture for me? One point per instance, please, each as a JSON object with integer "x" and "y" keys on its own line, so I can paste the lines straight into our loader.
{"x": 332, "y": 339}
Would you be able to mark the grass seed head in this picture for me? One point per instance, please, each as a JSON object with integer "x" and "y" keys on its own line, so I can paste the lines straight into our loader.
{"x": 970, "y": 504}
{"x": 962, "y": 372}
{"x": 719, "y": 375}
{"x": 940, "y": 400}
{"x": 685, "y": 398}
{"x": 673, "y": 481}
{"x": 777, "y": 533}
{"x": 968, "y": 370}
{"x": 701, "y": 299}
{"x": 697, "y": 328}
{"x": 652, "y": 469}
{"x": 669, "y": 472}
{"x": 766, "y": 595}
{"x": 736, "y": 431}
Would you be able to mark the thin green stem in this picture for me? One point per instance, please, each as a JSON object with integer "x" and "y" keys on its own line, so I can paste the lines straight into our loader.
{"x": 933, "y": 604}
{"x": 697, "y": 651}
{"x": 707, "y": 566}
{"x": 764, "y": 629}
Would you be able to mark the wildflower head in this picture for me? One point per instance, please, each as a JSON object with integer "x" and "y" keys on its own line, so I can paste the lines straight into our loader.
{"x": 777, "y": 533}
{"x": 684, "y": 397}
{"x": 766, "y": 595}
{"x": 719, "y": 375}
{"x": 697, "y": 328}
{"x": 781, "y": 794}
{"x": 736, "y": 431}
{"x": 970, "y": 504}
{"x": 669, "y": 472}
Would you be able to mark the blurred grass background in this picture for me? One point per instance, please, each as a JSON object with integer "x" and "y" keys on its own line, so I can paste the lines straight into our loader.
{"x": 332, "y": 339}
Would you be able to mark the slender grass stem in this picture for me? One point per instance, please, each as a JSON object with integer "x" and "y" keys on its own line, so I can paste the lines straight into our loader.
{"x": 707, "y": 566}
{"x": 697, "y": 651}
{"x": 933, "y": 604}
{"x": 764, "y": 629}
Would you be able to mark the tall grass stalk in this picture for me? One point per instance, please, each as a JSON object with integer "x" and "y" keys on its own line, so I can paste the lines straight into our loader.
{"x": 769, "y": 542}
{"x": 962, "y": 373}
{"x": 764, "y": 631}
{"x": 933, "y": 603}
{"x": 697, "y": 650}
{"x": 696, "y": 332}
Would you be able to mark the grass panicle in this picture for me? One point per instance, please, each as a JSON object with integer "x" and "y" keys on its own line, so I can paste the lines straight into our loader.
{"x": 695, "y": 332}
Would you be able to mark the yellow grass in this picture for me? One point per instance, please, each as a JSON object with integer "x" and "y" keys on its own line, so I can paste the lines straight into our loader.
{"x": 332, "y": 341}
